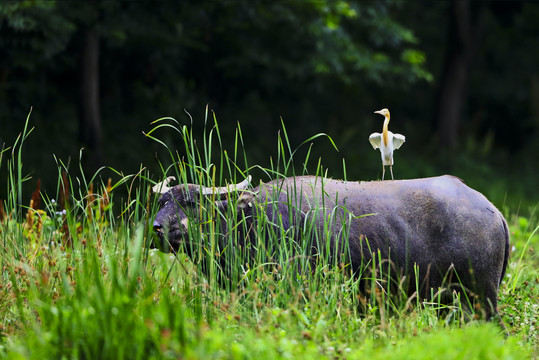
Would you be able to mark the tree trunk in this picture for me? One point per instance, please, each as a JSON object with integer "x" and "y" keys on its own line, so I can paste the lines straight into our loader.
{"x": 464, "y": 36}
{"x": 89, "y": 117}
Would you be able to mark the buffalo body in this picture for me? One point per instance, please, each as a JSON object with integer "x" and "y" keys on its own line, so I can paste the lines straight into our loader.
{"x": 437, "y": 230}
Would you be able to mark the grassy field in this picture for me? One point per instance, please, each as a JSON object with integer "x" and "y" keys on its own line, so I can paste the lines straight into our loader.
{"x": 79, "y": 281}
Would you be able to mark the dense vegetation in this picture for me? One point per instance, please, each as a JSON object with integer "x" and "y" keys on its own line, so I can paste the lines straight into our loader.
{"x": 79, "y": 281}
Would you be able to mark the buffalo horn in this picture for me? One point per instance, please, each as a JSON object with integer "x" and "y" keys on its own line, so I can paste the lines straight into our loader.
{"x": 226, "y": 189}
{"x": 162, "y": 187}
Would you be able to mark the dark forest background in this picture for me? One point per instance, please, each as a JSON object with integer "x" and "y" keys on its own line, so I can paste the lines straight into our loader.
{"x": 461, "y": 79}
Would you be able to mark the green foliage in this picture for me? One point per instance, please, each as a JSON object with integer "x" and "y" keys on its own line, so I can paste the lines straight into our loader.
{"x": 266, "y": 58}
{"x": 33, "y": 30}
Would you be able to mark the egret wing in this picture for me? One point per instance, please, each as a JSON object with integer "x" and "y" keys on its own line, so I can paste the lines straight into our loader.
{"x": 376, "y": 140}
{"x": 398, "y": 140}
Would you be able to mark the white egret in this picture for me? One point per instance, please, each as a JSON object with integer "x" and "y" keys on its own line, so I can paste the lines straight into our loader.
{"x": 386, "y": 142}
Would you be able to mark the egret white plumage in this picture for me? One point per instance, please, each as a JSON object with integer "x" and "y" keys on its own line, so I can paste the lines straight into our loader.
{"x": 387, "y": 142}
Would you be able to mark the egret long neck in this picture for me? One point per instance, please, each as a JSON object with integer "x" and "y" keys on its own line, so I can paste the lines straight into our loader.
{"x": 385, "y": 136}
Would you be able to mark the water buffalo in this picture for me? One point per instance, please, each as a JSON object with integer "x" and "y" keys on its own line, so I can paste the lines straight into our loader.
{"x": 436, "y": 231}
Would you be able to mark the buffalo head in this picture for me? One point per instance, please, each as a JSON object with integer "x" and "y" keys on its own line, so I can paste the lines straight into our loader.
{"x": 181, "y": 205}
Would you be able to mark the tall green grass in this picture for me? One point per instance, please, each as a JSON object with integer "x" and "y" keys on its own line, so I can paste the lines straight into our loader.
{"x": 79, "y": 279}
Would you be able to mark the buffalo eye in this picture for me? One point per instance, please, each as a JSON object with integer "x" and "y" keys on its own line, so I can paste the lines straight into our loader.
{"x": 163, "y": 199}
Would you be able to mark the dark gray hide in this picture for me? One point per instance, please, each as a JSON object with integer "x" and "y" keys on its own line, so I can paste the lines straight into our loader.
{"x": 439, "y": 224}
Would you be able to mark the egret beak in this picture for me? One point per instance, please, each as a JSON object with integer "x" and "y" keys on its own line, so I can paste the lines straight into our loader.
{"x": 384, "y": 112}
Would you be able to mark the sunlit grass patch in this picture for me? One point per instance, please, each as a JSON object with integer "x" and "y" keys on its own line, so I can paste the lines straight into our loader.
{"x": 520, "y": 290}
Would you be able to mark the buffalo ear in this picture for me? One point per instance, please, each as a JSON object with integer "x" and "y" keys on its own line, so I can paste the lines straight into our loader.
{"x": 246, "y": 199}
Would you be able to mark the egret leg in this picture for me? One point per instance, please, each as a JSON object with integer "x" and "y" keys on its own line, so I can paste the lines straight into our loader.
{"x": 383, "y": 171}
{"x": 391, "y": 169}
